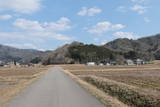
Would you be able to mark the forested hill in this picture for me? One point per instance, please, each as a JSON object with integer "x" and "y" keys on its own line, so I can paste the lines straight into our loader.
{"x": 8, "y": 54}
{"x": 146, "y": 48}
{"x": 118, "y": 50}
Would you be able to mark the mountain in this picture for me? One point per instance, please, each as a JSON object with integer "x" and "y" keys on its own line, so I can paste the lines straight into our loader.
{"x": 59, "y": 56}
{"x": 8, "y": 53}
{"x": 118, "y": 50}
{"x": 80, "y": 53}
{"x": 147, "y": 48}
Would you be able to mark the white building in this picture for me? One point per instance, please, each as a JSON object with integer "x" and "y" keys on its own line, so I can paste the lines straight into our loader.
{"x": 108, "y": 64}
{"x": 139, "y": 62}
{"x": 1, "y": 63}
{"x": 129, "y": 62}
{"x": 91, "y": 63}
{"x": 101, "y": 64}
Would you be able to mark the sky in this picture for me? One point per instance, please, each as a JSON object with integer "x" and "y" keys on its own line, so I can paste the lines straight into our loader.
{"x": 49, "y": 24}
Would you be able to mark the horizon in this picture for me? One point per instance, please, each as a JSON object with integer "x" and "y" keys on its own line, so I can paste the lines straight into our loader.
{"x": 73, "y": 42}
{"x": 47, "y": 25}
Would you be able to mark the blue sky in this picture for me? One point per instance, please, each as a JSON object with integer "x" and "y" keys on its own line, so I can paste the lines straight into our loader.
{"x": 48, "y": 24}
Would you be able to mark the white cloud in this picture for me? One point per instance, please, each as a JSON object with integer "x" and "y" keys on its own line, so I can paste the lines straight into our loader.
{"x": 139, "y": 6}
{"x": 89, "y": 11}
{"x": 5, "y": 17}
{"x": 122, "y": 9}
{"x": 22, "y": 6}
{"x": 96, "y": 39}
{"x": 128, "y": 35}
{"x": 61, "y": 25}
{"x": 34, "y": 36}
{"x": 139, "y": 1}
{"x": 25, "y": 46}
{"x": 63, "y": 20}
{"x": 28, "y": 25}
{"x": 117, "y": 26}
{"x": 103, "y": 27}
{"x": 57, "y": 36}
{"x": 139, "y": 9}
{"x": 103, "y": 42}
{"x": 147, "y": 20}
{"x": 39, "y": 31}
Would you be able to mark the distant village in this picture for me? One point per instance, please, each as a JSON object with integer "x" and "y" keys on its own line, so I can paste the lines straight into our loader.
{"x": 17, "y": 64}
{"x": 128, "y": 62}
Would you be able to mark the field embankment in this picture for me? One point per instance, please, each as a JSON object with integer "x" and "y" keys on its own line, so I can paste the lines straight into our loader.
{"x": 136, "y": 86}
{"x": 133, "y": 96}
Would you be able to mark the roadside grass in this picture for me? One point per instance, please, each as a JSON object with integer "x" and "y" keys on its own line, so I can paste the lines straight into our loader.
{"x": 130, "y": 95}
{"x": 106, "y": 99}
{"x": 149, "y": 79}
{"x": 15, "y": 80}
{"x": 137, "y": 86}
{"x": 110, "y": 68}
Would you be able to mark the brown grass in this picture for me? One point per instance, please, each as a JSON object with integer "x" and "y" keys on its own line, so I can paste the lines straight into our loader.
{"x": 146, "y": 77}
{"x": 106, "y": 99}
{"x": 14, "y": 80}
{"x": 143, "y": 79}
{"x": 110, "y": 68}
{"x": 131, "y": 95}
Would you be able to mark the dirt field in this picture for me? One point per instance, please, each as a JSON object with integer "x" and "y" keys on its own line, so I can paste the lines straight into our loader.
{"x": 141, "y": 76}
{"x": 138, "y": 83}
{"x": 14, "y": 80}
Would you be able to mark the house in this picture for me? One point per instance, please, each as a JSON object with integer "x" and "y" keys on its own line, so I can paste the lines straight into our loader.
{"x": 129, "y": 62}
{"x": 13, "y": 64}
{"x": 108, "y": 64}
{"x": 1, "y": 63}
{"x": 113, "y": 63}
{"x": 10, "y": 64}
{"x": 91, "y": 63}
{"x": 100, "y": 64}
{"x": 139, "y": 62}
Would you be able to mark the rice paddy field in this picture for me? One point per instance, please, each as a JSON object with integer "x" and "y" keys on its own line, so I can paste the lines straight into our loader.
{"x": 136, "y": 86}
{"x": 14, "y": 80}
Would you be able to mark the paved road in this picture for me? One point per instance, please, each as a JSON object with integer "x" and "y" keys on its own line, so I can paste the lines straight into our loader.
{"x": 55, "y": 89}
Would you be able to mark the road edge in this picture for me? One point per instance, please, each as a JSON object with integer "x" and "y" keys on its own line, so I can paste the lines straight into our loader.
{"x": 103, "y": 97}
{"x": 26, "y": 85}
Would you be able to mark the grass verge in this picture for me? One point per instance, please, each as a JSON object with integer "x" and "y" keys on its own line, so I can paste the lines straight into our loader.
{"x": 106, "y": 99}
{"x": 20, "y": 83}
{"x": 130, "y": 95}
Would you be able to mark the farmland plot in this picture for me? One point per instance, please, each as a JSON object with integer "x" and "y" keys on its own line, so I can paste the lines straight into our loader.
{"x": 14, "y": 80}
{"x": 135, "y": 86}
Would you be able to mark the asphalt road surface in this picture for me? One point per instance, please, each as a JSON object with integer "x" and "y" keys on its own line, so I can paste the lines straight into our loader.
{"x": 55, "y": 89}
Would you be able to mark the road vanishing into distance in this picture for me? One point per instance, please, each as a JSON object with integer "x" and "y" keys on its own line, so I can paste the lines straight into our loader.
{"x": 55, "y": 89}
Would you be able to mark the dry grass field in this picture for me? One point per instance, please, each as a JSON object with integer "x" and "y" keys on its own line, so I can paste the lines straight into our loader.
{"x": 136, "y": 86}
{"x": 14, "y": 80}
